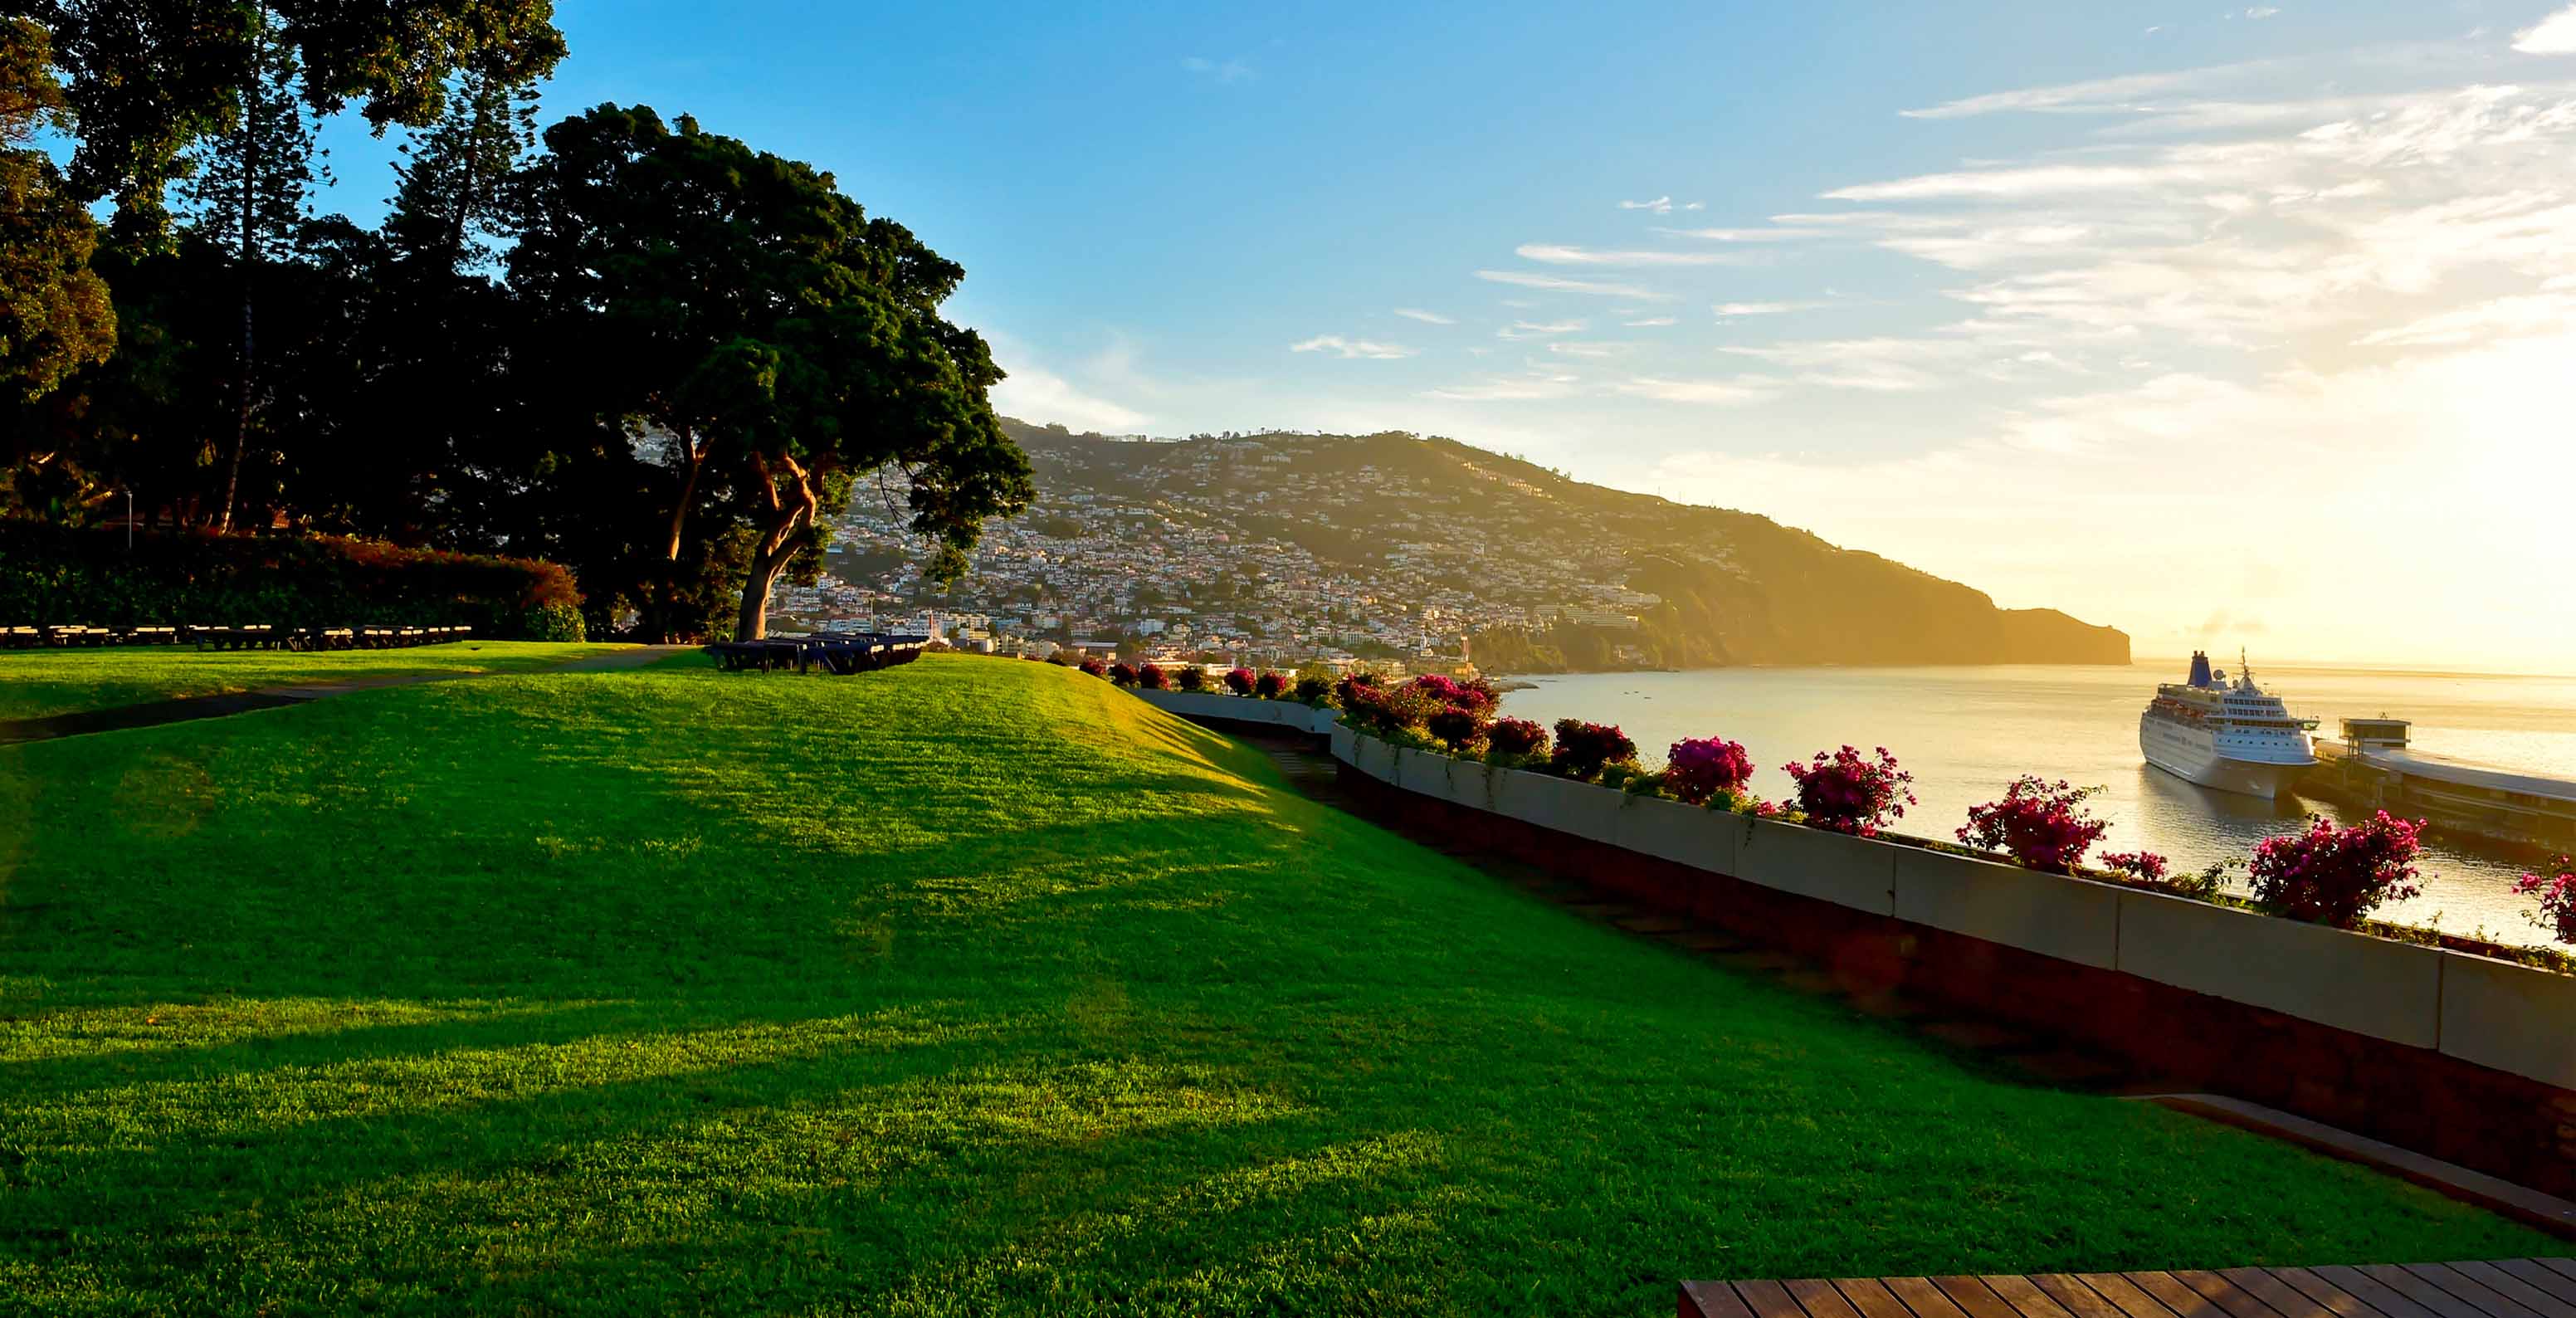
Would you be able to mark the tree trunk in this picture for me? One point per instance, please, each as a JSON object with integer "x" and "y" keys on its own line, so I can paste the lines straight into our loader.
{"x": 249, "y": 190}
{"x": 789, "y": 510}
{"x": 696, "y": 458}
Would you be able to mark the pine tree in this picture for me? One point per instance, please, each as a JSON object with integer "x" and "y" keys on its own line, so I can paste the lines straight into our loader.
{"x": 252, "y": 182}
{"x": 452, "y": 172}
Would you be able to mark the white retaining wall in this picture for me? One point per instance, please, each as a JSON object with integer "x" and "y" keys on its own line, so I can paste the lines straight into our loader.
{"x": 2497, "y": 1014}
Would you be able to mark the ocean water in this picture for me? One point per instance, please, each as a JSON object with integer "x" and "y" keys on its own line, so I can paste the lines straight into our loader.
{"x": 1966, "y": 732}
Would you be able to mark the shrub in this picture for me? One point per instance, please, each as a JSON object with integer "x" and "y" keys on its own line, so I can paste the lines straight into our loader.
{"x": 1270, "y": 686}
{"x": 2144, "y": 866}
{"x": 2336, "y": 875}
{"x": 1239, "y": 681}
{"x": 1700, "y": 770}
{"x": 2041, "y": 824}
{"x": 1583, "y": 749}
{"x": 173, "y": 578}
{"x": 1151, "y": 677}
{"x": 1094, "y": 667}
{"x": 1516, "y": 737}
{"x": 1190, "y": 677}
{"x": 1477, "y": 695}
{"x": 1391, "y": 709}
{"x": 2557, "y": 896}
{"x": 1848, "y": 793}
{"x": 1346, "y": 690}
{"x": 1122, "y": 673}
{"x": 1313, "y": 689}
{"x": 1463, "y": 729}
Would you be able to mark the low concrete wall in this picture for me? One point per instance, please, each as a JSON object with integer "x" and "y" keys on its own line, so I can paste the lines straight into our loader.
{"x": 1289, "y": 715}
{"x": 2464, "y": 1057}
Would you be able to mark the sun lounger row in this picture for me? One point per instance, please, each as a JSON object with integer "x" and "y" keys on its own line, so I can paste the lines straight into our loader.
{"x": 831, "y": 652}
{"x": 259, "y": 636}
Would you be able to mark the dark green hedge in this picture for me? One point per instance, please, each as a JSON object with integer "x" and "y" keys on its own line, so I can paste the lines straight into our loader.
{"x": 52, "y": 575}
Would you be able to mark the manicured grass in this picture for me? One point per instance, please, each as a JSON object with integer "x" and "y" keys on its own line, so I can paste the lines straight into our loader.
{"x": 968, "y": 987}
{"x": 38, "y": 683}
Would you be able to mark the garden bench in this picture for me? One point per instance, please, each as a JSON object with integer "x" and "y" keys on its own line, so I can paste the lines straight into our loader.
{"x": 21, "y": 638}
{"x": 2504, "y": 1288}
{"x": 150, "y": 636}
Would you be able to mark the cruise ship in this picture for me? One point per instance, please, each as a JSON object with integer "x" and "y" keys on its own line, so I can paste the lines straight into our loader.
{"x": 2225, "y": 734}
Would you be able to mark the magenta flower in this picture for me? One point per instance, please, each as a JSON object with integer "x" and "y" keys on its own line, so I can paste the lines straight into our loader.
{"x": 1848, "y": 793}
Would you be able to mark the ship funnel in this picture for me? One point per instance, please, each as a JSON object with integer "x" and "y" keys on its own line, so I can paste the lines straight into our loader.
{"x": 2199, "y": 668}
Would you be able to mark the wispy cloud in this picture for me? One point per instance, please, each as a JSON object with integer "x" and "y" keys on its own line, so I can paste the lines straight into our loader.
{"x": 1748, "y": 235}
{"x": 2260, "y": 12}
{"x": 1352, "y": 348}
{"x": 1732, "y": 392}
{"x": 1557, "y": 284}
{"x": 1032, "y": 394}
{"x": 1650, "y": 322}
{"x": 1508, "y": 388}
{"x": 2028, "y": 181}
{"x": 2554, "y": 35}
{"x": 1426, "y": 317}
{"x": 1661, "y": 206}
{"x": 2093, "y": 94}
{"x": 1586, "y": 348}
{"x": 1219, "y": 71}
{"x": 1526, "y": 329}
{"x": 1732, "y": 309}
{"x": 1558, "y": 254}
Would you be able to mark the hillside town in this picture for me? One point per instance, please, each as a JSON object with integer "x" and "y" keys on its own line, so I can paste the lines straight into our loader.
{"x": 1246, "y": 549}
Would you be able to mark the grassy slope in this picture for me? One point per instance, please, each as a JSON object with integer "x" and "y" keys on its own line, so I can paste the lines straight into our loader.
{"x": 38, "y": 683}
{"x": 963, "y": 987}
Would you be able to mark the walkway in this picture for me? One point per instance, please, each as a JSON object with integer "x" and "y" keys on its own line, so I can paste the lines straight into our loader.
{"x": 2505, "y": 1288}
{"x": 153, "y": 713}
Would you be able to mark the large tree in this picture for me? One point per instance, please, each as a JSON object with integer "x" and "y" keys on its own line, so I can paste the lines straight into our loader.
{"x": 775, "y": 345}
{"x": 55, "y": 314}
{"x": 149, "y": 79}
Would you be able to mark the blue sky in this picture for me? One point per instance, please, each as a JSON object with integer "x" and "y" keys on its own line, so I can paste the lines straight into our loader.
{"x": 2133, "y": 310}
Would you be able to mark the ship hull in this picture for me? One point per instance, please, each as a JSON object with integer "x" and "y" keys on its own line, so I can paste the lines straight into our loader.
{"x": 2189, "y": 757}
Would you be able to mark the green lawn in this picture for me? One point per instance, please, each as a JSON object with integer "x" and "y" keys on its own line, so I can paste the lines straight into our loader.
{"x": 37, "y": 683}
{"x": 962, "y": 988}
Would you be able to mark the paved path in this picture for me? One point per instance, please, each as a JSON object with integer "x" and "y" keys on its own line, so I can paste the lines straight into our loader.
{"x": 2505, "y": 1288}
{"x": 184, "y": 708}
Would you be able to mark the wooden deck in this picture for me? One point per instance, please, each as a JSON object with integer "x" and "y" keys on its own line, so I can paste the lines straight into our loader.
{"x": 2504, "y": 1288}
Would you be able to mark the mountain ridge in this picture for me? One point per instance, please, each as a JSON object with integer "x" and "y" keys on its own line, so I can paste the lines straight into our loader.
{"x": 1536, "y": 564}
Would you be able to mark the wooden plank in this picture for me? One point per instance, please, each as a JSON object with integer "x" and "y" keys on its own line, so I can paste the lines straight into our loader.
{"x": 2562, "y": 1266}
{"x": 2028, "y": 1299}
{"x": 2121, "y": 1291}
{"x": 2342, "y": 1303}
{"x": 1924, "y": 1298}
{"x": 2181, "y": 1299}
{"x": 1712, "y": 1299}
{"x": 2423, "y": 1292}
{"x": 2235, "y": 1299}
{"x": 1872, "y": 1298}
{"x": 2536, "y": 1274}
{"x": 2539, "y": 1300}
{"x": 1820, "y": 1299}
{"x": 1769, "y": 1299}
{"x": 1974, "y": 1297}
{"x": 2288, "y": 1302}
{"x": 2368, "y": 1290}
{"x": 2471, "y": 1289}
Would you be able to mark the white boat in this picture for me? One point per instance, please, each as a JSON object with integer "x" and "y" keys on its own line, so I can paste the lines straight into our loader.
{"x": 2230, "y": 735}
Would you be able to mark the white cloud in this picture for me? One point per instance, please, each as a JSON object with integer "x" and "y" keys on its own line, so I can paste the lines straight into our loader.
{"x": 2260, "y": 12}
{"x": 2030, "y": 181}
{"x": 1738, "y": 390}
{"x": 1034, "y": 395}
{"x": 2554, "y": 35}
{"x": 1426, "y": 317}
{"x": 1352, "y": 348}
{"x": 1521, "y": 388}
{"x": 2093, "y": 94}
{"x": 1526, "y": 329}
{"x": 1219, "y": 71}
{"x": 1555, "y": 254}
{"x": 1876, "y": 365}
{"x": 1731, "y": 309}
{"x": 1660, "y": 205}
{"x": 1585, "y": 348}
{"x": 2551, "y": 312}
{"x": 1555, "y": 284}
{"x": 1747, "y": 235}
{"x": 1650, "y": 322}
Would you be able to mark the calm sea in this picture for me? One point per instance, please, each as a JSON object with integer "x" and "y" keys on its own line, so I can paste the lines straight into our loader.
{"x": 1965, "y": 732}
